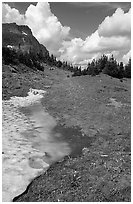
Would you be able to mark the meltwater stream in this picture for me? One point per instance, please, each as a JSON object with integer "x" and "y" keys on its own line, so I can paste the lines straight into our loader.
{"x": 42, "y": 137}
{"x": 32, "y": 140}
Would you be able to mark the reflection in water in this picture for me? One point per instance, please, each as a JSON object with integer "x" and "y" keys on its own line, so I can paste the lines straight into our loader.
{"x": 32, "y": 140}
{"x": 26, "y": 154}
{"x": 52, "y": 139}
{"x": 41, "y": 135}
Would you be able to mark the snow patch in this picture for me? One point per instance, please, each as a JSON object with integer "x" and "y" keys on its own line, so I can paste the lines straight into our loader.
{"x": 24, "y": 33}
{"x": 10, "y": 46}
{"x": 29, "y": 145}
{"x": 21, "y": 161}
{"x": 34, "y": 96}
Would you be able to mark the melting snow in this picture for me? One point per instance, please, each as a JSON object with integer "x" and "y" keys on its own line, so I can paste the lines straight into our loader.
{"x": 24, "y": 33}
{"x": 9, "y": 46}
{"x": 16, "y": 150}
{"x": 27, "y": 141}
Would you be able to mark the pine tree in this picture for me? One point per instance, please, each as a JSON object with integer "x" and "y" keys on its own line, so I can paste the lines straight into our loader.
{"x": 111, "y": 68}
{"x": 121, "y": 70}
{"x": 127, "y": 73}
{"x": 102, "y": 63}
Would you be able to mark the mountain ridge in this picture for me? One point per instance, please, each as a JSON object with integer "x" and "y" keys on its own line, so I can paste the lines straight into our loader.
{"x": 20, "y": 37}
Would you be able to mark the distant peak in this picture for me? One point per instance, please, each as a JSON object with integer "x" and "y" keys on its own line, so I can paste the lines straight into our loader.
{"x": 13, "y": 27}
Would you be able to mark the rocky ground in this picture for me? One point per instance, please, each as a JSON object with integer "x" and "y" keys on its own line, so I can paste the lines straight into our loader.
{"x": 100, "y": 106}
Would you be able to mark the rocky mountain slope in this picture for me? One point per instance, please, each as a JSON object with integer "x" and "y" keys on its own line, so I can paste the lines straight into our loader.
{"x": 20, "y": 38}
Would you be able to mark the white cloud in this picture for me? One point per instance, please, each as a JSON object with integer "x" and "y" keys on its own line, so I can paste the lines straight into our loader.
{"x": 112, "y": 35}
{"x": 45, "y": 26}
{"x": 119, "y": 24}
{"x": 11, "y": 15}
{"x": 126, "y": 57}
{"x": 43, "y": 23}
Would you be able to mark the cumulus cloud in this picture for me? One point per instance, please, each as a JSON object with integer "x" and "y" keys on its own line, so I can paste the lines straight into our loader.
{"x": 43, "y": 23}
{"x": 11, "y": 15}
{"x": 126, "y": 57}
{"x": 119, "y": 24}
{"x": 45, "y": 26}
{"x": 111, "y": 37}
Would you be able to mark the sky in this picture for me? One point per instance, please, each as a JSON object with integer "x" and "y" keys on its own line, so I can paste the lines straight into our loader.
{"x": 76, "y": 31}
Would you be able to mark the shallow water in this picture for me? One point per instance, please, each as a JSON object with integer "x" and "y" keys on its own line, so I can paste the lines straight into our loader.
{"x": 75, "y": 138}
{"x": 42, "y": 137}
{"x": 51, "y": 139}
{"x": 55, "y": 140}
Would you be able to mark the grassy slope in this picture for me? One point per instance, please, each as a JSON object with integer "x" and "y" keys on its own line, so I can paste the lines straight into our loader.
{"x": 102, "y": 173}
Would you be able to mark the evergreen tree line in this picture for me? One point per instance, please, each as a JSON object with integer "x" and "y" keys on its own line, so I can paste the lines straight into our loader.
{"x": 106, "y": 65}
{"x": 32, "y": 59}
